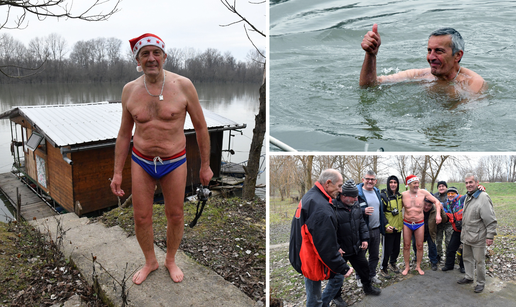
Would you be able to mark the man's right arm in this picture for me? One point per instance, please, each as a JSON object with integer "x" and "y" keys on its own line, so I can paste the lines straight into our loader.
{"x": 371, "y": 43}
{"x": 368, "y": 77}
{"x": 123, "y": 142}
{"x": 326, "y": 244}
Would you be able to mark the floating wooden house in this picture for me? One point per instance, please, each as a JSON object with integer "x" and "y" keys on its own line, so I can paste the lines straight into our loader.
{"x": 67, "y": 151}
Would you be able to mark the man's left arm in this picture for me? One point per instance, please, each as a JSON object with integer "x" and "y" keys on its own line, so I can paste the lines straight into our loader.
{"x": 489, "y": 219}
{"x": 194, "y": 109}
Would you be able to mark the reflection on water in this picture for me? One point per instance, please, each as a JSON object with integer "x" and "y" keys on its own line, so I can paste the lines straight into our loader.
{"x": 315, "y": 61}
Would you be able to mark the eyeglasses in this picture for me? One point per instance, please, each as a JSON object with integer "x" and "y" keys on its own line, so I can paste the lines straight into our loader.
{"x": 452, "y": 193}
{"x": 369, "y": 179}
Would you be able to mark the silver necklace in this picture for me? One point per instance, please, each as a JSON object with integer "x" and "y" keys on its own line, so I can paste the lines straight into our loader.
{"x": 453, "y": 81}
{"x": 162, "y": 87}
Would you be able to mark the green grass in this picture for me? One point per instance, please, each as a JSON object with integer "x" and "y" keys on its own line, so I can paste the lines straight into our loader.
{"x": 281, "y": 211}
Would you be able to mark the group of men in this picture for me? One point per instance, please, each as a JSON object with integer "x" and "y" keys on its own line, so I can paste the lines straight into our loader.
{"x": 337, "y": 222}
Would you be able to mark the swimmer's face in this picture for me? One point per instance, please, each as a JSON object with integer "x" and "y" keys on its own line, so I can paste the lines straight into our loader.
{"x": 440, "y": 55}
{"x": 414, "y": 185}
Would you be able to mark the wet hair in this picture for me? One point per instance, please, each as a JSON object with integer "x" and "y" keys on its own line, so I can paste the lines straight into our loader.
{"x": 329, "y": 174}
{"x": 456, "y": 38}
{"x": 468, "y": 175}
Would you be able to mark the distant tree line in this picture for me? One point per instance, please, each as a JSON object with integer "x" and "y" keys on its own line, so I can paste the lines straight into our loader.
{"x": 101, "y": 60}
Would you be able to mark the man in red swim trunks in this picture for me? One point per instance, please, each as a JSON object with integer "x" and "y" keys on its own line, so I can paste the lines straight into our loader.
{"x": 156, "y": 104}
{"x": 414, "y": 219}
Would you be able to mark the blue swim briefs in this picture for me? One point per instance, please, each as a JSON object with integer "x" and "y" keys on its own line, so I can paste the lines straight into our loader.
{"x": 413, "y": 226}
{"x": 158, "y": 167}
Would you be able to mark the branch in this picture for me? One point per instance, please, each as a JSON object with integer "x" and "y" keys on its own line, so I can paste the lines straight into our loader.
{"x": 232, "y": 9}
{"x": 56, "y": 9}
{"x": 258, "y": 50}
{"x": 36, "y": 70}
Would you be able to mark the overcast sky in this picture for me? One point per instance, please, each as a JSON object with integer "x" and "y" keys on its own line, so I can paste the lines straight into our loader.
{"x": 191, "y": 23}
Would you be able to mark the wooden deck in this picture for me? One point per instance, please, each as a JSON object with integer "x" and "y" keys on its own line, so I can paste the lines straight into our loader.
{"x": 31, "y": 205}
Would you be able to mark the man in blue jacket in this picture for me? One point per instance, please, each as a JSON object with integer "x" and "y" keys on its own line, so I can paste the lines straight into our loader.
{"x": 314, "y": 249}
{"x": 371, "y": 204}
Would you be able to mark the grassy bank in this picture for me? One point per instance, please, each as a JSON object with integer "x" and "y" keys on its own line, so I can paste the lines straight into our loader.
{"x": 33, "y": 272}
{"x": 288, "y": 286}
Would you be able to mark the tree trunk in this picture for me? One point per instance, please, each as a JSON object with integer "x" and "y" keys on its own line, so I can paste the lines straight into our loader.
{"x": 253, "y": 163}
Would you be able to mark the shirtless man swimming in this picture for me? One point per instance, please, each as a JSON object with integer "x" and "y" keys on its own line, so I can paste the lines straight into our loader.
{"x": 445, "y": 51}
{"x": 414, "y": 220}
{"x": 157, "y": 103}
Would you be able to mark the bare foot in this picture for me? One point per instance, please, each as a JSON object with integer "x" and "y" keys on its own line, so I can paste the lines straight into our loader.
{"x": 175, "y": 272}
{"x": 421, "y": 272}
{"x": 142, "y": 274}
{"x": 405, "y": 271}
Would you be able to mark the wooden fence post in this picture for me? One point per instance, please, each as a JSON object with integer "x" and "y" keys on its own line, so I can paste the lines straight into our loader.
{"x": 18, "y": 205}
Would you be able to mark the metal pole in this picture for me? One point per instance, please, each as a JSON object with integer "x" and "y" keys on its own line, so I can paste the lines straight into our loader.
{"x": 280, "y": 144}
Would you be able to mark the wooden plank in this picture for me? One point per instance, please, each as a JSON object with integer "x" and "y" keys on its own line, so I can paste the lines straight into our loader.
{"x": 31, "y": 205}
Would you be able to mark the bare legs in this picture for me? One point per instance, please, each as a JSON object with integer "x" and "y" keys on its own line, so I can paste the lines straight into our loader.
{"x": 407, "y": 238}
{"x": 174, "y": 193}
{"x": 173, "y": 185}
{"x": 143, "y": 196}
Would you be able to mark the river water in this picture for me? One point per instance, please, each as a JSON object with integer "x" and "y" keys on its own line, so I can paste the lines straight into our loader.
{"x": 238, "y": 102}
{"x": 316, "y": 57}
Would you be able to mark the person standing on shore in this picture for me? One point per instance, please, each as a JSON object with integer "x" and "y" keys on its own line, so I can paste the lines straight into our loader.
{"x": 156, "y": 105}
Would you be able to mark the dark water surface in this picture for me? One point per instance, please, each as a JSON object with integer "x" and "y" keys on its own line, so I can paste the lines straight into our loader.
{"x": 315, "y": 61}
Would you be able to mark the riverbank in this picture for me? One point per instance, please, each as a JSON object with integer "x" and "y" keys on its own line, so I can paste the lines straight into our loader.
{"x": 228, "y": 238}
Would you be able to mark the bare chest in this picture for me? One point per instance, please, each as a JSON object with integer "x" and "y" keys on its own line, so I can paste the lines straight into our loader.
{"x": 413, "y": 201}
{"x": 145, "y": 108}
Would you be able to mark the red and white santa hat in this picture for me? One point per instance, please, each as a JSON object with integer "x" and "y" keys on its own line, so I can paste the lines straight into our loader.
{"x": 143, "y": 40}
{"x": 411, "y": 178}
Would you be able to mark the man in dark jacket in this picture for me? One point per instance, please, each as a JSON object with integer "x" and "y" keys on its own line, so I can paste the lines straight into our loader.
{"x": 353, "y": 237}
{"x": 372, "y": 210}
{"x": 314, "y": 250}
{"x": 444, "y": 230}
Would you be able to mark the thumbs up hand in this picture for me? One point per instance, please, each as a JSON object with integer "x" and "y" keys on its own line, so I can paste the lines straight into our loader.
{"x": 372, "y": 41}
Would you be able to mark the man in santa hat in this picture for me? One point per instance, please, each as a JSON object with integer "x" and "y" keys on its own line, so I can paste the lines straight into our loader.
{"x": 414, "y": 220}
{"x": 156, "y": 104}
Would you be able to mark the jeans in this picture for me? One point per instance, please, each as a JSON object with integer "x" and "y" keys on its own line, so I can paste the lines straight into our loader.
{"x": 361, "y": 266}
{"x": 314, "y": 297}
{"x": 374, "y": 251}
{"x": 452, "y": 250}
{"x": 432, "y": 248}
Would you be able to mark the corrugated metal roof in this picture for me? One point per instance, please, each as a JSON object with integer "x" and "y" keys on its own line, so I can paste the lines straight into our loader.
{"x": 75, "y": 124}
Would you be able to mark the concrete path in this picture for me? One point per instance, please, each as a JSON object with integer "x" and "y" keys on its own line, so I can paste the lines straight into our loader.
{"x": 441, "y": 289}
{"x": 113, "y": 249}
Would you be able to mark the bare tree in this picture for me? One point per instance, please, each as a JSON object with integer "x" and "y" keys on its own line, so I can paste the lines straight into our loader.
{"x": 436, "y": 164}
{"x": 251, "y": 170}
{"x": 17, "y": 11}
{"x": 56, "y": 45}
{"x": 306, "y": 178}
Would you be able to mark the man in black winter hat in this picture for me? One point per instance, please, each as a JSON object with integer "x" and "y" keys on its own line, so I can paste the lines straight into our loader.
{"x": 353, "y": 237}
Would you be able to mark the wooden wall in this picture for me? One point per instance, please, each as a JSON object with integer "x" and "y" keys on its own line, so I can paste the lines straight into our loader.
{"x": 193, "y": 157}
{"x": 91, "y": 172}
{"x": 59, "y": 174}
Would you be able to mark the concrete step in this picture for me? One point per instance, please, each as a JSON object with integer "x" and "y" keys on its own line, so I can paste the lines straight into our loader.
{"x": 113, "y": 249}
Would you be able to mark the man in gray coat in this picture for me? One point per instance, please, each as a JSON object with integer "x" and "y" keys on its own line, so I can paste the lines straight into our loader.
{"x": 478, "y": 230}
